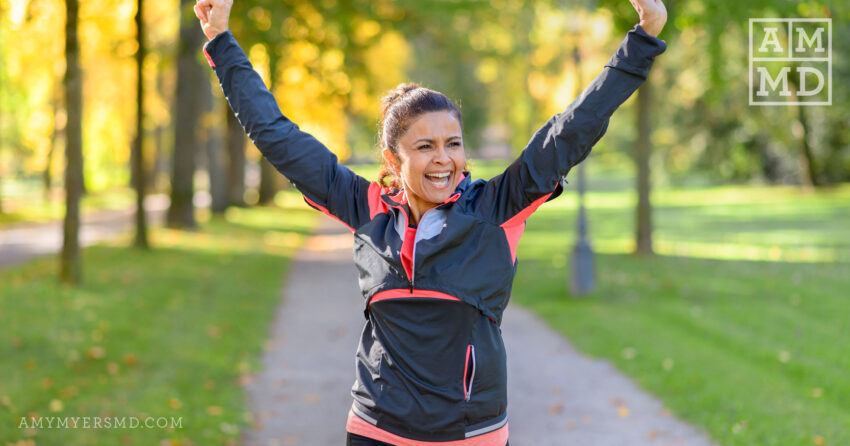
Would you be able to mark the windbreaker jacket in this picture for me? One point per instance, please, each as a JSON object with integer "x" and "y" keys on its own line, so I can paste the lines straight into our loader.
{"x": 431, "y": 363}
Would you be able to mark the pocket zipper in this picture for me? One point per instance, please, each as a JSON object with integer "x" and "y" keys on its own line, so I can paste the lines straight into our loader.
{"x": 468, "y": 372}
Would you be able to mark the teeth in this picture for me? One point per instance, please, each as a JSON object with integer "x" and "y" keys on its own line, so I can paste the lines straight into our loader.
{"x": 438, "y": 175}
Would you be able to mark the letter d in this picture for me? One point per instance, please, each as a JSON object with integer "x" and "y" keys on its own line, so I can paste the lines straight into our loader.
{"x": 816, "y": 72}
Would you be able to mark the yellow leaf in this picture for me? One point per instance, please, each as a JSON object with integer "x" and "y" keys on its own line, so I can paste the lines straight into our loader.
{"x": 56, "y": 405}
{"x": 96, "y": 352}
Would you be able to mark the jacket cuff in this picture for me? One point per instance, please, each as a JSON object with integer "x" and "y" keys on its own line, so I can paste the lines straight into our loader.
{"x": 216, "y": 50}
{"x": 637, "y": 52}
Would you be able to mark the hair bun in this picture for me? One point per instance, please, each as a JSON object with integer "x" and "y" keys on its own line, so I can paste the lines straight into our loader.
{"x": 395, "y": 94}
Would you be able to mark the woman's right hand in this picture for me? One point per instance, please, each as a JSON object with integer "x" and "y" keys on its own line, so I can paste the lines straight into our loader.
{"x": 214, "y": 16}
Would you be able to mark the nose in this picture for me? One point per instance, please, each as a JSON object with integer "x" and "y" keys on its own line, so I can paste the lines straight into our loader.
{"x": 441, "y": 155}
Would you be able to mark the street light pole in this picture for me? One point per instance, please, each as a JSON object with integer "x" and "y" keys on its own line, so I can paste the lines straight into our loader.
{"x": 582, "y": 269}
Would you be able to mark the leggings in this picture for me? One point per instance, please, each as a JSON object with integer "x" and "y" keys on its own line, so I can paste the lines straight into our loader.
{"x": 357, "y": 440}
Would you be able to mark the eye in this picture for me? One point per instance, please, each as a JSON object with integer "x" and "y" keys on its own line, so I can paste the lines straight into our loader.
{"x": 424, "y": 146}
{"x": 455, "y": 144}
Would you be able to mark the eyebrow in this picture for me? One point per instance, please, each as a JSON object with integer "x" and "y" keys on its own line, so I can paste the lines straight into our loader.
{"x": 431, "y": 140}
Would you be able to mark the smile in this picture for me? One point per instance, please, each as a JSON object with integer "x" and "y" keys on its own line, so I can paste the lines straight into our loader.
{"x": 438, "y": 179}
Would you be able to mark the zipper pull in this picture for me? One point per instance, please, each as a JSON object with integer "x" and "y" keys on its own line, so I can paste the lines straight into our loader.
{"x": 410, "y": 284}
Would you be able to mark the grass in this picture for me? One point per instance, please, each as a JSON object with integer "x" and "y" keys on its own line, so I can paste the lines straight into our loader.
{"x": 26, "y": 204}
{"x": 166, "y": 333}
{"x": 740, "y": 325}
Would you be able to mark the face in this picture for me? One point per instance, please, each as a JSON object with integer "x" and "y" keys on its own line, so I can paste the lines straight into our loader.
{"x": 430, "y": 159}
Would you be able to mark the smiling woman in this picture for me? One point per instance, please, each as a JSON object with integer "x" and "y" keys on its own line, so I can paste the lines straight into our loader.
{"x": 436, "y": 251}
{"x": 422, "y": 146}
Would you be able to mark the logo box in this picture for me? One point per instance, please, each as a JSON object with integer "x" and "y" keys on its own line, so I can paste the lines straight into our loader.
{"x": 790, "y": 61}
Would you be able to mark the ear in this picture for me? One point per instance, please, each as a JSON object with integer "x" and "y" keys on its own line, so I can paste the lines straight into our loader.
{"x": 390, "y": 159}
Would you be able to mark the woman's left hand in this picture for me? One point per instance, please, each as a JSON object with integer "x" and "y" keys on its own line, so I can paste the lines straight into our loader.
{"x": 653, "y": 15}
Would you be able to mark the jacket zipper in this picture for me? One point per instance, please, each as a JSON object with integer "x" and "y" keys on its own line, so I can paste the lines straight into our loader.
{"x": 411, "y": 281}
{"x": 468, "y": 372}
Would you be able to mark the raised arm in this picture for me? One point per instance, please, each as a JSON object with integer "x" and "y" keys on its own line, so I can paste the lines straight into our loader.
{"x": 566, "y": 139}
{"x": 326, "y": 185}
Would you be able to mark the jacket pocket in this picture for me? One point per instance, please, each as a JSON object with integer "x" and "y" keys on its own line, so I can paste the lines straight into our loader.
{"x": 468, "y": 372}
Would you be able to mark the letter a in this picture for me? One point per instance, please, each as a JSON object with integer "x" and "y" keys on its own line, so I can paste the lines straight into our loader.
{"x": 770, "y": 38}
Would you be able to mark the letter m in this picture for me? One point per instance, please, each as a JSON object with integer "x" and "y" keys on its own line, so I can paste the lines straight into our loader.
{"x": 774, "y": 83}
{"x": 804, "y": 36}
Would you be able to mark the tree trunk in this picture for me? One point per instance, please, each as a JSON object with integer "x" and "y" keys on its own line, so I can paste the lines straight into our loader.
{"x": 71, "y": 268}
{"x": 808, "y": 170}
{"x": 809, "y": 173}
{"x": 269, "y": 181}
{"x": 642, "y": 155}
{"x": 236, "y": 160}
{"x": 191, "y": 78}
{"x": 138, "y": 158}
{"x": 214, "y": 134}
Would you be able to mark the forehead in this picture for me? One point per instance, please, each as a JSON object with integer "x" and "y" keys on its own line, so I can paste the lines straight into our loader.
{"x": 433, "y": 125}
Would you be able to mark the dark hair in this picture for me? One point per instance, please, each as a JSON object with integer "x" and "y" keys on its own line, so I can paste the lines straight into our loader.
{"x": 399, "y": 108}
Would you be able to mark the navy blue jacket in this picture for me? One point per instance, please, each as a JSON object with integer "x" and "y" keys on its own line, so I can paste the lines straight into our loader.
{"x": 431, "y": 363}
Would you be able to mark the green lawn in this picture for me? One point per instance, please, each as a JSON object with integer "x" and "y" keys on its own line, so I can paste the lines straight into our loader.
{"x": 741, "y": 325}
{"x": 166, "y": 333}
{"x": 24, "y": 203}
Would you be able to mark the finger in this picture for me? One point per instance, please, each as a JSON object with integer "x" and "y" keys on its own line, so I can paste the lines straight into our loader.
{"x": 205, "y": 7}
{"x": 200, "y": 14}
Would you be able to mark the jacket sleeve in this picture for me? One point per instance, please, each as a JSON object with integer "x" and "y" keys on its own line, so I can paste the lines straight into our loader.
{"x": 566, "y": 139}
{"x": 326, "y": 185}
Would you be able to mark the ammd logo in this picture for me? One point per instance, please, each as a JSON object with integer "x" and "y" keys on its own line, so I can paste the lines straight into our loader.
{"x": 790, "y": 51}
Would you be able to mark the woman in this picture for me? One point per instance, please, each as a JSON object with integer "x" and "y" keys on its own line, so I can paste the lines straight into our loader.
{"x": 435, "y": 250}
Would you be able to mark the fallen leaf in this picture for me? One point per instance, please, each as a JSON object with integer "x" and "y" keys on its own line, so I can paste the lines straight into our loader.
{"x": 96, "y": 352}
{"x": 555, "y": 408}
{"x": 819, "y": 440}
{"x": 174, "y": 403}
{"x": 214, "y": 410}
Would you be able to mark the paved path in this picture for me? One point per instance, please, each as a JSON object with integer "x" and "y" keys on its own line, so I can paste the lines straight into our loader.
{"x": 556, "y": 396}
{"x": 20, "y": 242}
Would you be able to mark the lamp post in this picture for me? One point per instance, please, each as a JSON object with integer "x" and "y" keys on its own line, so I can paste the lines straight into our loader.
{"x": 582, "y": 268}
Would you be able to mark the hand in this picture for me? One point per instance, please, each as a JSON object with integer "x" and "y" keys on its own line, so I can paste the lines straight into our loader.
{"x": 653, "y": 15}
{"x": 214, "y": 16}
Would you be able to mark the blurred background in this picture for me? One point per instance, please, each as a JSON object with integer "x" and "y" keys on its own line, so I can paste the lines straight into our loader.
{"x": 720, "y": 231}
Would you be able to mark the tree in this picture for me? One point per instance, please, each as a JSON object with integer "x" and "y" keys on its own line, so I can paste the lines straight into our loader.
{"x": 137, "y": 155}
{"x": 235, "y": 160}
{"x": 213, "y": 135}
{"x": 191, "y": 79}
{"x": 71, "y": 268}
